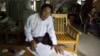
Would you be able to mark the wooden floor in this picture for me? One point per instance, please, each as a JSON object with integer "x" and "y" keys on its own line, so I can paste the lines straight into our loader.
{"x": 15, "y": 47}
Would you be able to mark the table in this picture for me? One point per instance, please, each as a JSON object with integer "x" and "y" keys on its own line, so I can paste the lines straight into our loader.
{"x": 27, "y": 53}
{"x": 7, "y": 37}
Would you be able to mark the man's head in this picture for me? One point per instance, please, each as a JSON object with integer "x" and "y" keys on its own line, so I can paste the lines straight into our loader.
{"x": 93, "y": 9}
{"x": 46, "y": 10}
{"x": 94, "y": 1}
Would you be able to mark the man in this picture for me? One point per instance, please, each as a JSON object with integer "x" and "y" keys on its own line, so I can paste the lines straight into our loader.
{"x": 39, "y": 28}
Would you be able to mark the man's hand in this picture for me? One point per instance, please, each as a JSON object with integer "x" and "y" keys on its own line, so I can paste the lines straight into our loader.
{"x": 57, "y": 49}
{"x": 33, "y": 45}
{"x": 90, "y": 15}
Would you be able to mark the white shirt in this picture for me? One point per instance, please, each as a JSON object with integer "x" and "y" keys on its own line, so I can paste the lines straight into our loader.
{"x": 36, "y": 27}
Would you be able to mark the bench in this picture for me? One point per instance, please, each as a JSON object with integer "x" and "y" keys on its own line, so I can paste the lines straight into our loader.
{"x": 65, "y": 32}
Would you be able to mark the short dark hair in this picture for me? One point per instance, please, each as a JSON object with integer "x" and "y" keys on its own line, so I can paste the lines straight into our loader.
{"x": 93, "y": 8}
{"x": 46, "y": 5}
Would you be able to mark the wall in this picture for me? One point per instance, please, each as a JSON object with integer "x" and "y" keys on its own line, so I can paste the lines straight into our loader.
{"x": 14, "y": 9}
{"x": 20, "y": 9}
{"x": 97, "y": 5}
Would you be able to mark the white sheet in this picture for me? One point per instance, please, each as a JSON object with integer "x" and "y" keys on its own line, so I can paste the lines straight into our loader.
{"x": 45, "y": 50}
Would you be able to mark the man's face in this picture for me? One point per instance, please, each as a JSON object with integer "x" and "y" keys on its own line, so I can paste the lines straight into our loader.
{"x": 93, "y": 10}
{"x": 94, "y": 1}
{"x": 45, "y": 13}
